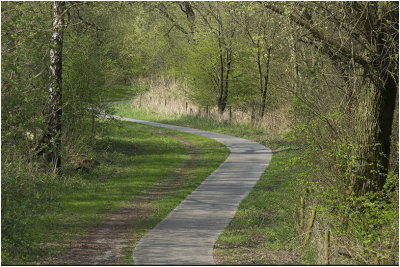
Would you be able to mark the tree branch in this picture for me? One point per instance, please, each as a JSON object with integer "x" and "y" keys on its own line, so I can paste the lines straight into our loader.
{"x": 163, "y": 10}
{"x": 333, "y": 49}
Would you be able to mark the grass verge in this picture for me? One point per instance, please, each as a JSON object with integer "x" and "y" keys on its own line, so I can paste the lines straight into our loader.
{"x": 264, "y": 230}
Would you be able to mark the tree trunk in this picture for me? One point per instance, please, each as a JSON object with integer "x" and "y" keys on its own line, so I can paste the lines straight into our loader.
{"x": 220, "y": 100}
{"x": 187, "y": 8}
{"x": 386, "y": 109}
{"x": 265, "y": 89}
{"x": 226, "y": 84}
{"x": 376, "y": 145}
{"x": 382, "y": 77}
{"x": 260, "y": 72}
{"x": 51, "y": 141}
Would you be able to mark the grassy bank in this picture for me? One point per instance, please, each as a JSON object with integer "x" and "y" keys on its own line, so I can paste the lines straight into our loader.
{"x": 42, "y": 213}
{"x": 264, "y": 230}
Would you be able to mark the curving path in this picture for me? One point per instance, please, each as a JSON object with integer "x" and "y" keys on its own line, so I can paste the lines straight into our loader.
{"x": 187, "y": 235}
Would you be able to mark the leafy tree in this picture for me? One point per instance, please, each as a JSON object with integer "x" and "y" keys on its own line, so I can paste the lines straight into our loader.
{"x": 367, "y": 44}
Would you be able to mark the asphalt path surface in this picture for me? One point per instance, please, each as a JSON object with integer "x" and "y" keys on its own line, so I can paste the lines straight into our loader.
{"x": 188, "y": 234}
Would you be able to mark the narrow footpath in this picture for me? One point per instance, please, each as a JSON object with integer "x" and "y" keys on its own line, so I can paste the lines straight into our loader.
{"x": 188, "y": 234}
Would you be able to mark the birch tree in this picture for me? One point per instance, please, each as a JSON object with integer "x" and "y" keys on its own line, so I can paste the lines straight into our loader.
{"x": 51, "y": 140}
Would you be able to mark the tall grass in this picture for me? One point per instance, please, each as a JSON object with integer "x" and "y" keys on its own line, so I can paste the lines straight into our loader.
{"x": 169, "y": 96}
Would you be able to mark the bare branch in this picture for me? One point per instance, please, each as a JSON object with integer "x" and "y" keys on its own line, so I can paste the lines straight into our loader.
{"x": 163, "y": 10}
{"x": 333, "y": 49}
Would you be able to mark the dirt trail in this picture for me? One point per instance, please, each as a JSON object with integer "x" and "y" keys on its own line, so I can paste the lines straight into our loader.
{"x": 111, "y": 242}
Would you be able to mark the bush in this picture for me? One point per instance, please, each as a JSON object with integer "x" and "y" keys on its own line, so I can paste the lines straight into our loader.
{"x": 364, "y": 227}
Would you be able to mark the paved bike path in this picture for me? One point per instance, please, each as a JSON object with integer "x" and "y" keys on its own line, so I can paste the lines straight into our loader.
{"x": 188, "y": 234}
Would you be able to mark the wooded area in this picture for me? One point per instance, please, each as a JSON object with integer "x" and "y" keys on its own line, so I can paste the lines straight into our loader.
{"x": 330, "y": 68}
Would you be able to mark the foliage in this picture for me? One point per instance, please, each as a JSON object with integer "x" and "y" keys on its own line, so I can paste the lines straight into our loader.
{"x": 331, "y": 68}
{"x": 24, "y": 69}
{"x": 365, "y": 225}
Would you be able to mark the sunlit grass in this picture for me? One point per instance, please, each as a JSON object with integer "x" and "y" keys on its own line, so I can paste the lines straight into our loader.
{"x": 132, "y": 158}
{"x": 264, "y": 229}
{"x": 266, "y": 221}
{"x": 119, "y": 92}
{"x": 245, "y": 130}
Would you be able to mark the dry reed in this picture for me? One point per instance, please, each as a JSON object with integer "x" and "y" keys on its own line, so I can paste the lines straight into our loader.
{"x": 167, "y": 95}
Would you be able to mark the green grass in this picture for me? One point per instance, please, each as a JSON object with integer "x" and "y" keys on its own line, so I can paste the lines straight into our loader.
{"x": 225, "y": 127}
{"x": 119, "y": 92}
{"x": 264, "y": 230}
{"x": 42, "y": 213}
{"x": 132, "y": 159}
{"x": 266, "y": 221}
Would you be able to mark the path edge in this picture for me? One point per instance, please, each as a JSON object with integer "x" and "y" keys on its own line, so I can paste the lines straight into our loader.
{"x": 197, "y": 132}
